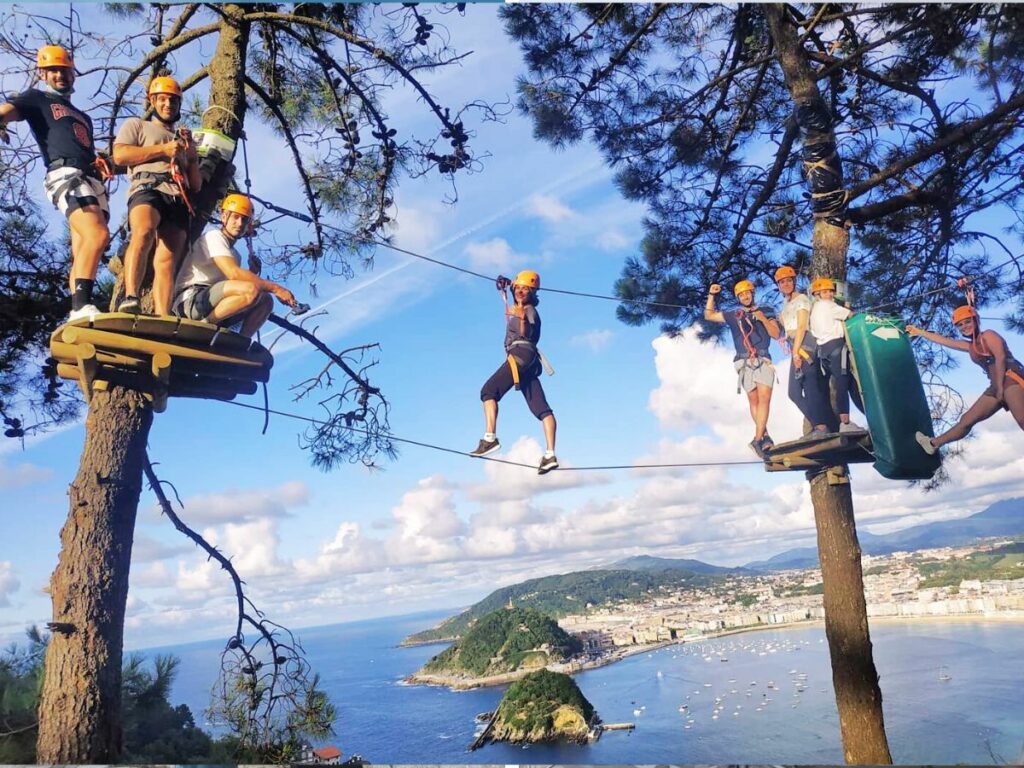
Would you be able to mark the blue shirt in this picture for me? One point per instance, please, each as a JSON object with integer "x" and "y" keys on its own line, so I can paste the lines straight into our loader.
{"x": 741, "y": 322}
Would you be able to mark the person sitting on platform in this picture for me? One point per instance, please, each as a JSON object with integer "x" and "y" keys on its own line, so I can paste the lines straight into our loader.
{"x": 164, "y": 167}
{"x": 806, "y": 387}
{"x": 752, "y": 330}
{"x": 214, "y": 287}
{"x": 1005, "y": 373}
{"x": 827, "y": 326}
{"x": 72, "y": 181}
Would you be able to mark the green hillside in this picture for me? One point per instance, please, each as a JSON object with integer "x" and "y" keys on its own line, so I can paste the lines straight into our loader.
{"x": 567, "y": 593}
{"x": 505, "y": 641}
{"x": 543, "y": 706}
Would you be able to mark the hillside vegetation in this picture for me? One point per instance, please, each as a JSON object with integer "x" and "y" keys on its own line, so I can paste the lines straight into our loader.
{"x": 568, "y": 593}
{"x": 543, "y": 706}
{"x": 505, "y": 641}
{"x": 1005, "y": 562}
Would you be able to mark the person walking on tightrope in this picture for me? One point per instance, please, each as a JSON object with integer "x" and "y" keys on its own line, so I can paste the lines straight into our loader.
{"x": 805, "y": 380}
{"x": 752, "y": 329}
{"x": 521, "y": 369}
{"x": 828, "y": 328}
{"x": 214, "y": 287}
{"x": 164, "y": 170}
{"x": 73, "y": 182}
{"x": 1005, "y": 374}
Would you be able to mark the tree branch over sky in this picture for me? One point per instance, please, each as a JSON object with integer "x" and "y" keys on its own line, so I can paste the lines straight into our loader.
{"x": 927, "y": 101}
{"x": 308, "y": 85}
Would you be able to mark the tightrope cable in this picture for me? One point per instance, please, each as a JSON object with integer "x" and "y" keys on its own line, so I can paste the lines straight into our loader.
{"x": 443, "y": 449}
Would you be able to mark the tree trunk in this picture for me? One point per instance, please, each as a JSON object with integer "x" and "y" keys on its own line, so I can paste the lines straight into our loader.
{"x": 854, "y": 677}
{"x": 80, "y": 706}
{"x": 226, "y": 112}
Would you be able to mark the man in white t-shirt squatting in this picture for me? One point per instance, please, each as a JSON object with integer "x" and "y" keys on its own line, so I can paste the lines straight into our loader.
{"x": 212, "y": 284}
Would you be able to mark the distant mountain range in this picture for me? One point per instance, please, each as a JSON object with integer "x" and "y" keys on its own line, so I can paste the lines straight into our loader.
{"x": 1004, "y": 518}
{"x": 644, "y": 576}
{"x": 648, "y": 563}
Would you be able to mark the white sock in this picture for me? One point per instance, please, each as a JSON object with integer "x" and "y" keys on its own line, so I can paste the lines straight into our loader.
{"x": 490, "y": 437}
{"x": 549, "y": 454}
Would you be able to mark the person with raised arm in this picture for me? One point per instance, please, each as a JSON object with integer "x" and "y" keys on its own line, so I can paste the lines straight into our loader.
{"x": 752, "y": 328}
{"x": 1005, "y": 374}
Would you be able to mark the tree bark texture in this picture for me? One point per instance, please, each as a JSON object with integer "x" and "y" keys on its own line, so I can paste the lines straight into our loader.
{"x": 226, "y": 110}
{"x": 80, "y": 706}
{"x": 854, "y": 677}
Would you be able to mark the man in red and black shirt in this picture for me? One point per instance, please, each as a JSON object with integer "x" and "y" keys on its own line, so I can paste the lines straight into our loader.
{"x": 72, "y": 183}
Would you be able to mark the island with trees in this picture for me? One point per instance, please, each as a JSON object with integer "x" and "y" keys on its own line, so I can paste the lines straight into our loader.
{"x": 500, "y": 647}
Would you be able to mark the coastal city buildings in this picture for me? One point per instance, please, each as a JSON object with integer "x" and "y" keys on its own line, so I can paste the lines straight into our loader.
{"x": 896, "y": 586}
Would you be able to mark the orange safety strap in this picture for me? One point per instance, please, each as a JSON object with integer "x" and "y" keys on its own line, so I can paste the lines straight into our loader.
{"x": 1015, "y": 376}
{"x": 179, "y": 178}
{"x": 742, "y": 320}
{"x": 103, "y": 167}
{"x": 515, "y": 370}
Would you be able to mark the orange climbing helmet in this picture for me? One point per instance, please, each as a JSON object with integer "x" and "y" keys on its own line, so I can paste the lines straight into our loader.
{"x": 963, "y": 313}
{"x": 822, "y": 284}
{"x": 743, "y": 285}
{"x": 239, "y": 204}
{"x": 783, "y": 272}
{"x": 164, "y": 85}
{"x": 529, "y": 278}
{"x": 53, "y": 56}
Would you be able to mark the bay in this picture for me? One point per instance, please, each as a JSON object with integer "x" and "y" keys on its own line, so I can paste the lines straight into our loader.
{"x": 769, "y": 701}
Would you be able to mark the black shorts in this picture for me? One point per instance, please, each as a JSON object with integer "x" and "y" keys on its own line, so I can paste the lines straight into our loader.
{"x": 171, "y": 208}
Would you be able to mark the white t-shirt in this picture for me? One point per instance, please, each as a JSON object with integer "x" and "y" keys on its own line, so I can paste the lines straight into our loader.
{"x": 199, "y": 267}
{"x": 827, "y": 320}
{"x": 790, "y": 313}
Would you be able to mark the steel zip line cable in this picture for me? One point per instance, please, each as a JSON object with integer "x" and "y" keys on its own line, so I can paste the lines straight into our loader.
{"x": 421, "y": 444}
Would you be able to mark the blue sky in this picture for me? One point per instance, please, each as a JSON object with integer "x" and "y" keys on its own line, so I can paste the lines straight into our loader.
{"x": 434, "y": 529}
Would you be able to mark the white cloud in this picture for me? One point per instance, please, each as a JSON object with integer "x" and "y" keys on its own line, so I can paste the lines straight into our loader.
{"x": 549, "y": 208}
{"x": 9, "y": 583}
{"x": 20, "y": 475}
{"x": 612, "y": 240}
{"x": 236, "y": 506}
{"x": 595, "y": 340}
{"x": 506, "y": 482}
{"x": 494, "y": 257}
{"x": 146, "y": 549}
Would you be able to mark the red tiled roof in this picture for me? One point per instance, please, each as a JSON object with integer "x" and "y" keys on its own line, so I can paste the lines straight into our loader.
{"x": 327, "y": 753}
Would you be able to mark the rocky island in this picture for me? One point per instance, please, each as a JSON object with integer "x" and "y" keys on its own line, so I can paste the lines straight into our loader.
{"x": 543, "y": 706}
{"x": 500, "y": 647}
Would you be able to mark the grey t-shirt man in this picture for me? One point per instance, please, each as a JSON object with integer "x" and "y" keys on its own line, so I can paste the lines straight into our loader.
{"x": 147, "y": 133}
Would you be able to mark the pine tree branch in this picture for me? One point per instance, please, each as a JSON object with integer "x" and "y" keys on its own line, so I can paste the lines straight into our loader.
{"x": 307, "y": 185}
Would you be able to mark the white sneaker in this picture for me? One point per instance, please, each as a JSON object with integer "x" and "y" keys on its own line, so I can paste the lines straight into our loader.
{"x": 89, "y": 311}
{"x": 851, "y": 427}
{"x": 925, "y": 442}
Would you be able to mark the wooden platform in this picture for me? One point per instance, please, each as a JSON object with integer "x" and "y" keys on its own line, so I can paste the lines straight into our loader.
{"x": 830, "y": 449}
{"x": 159, "y": 356}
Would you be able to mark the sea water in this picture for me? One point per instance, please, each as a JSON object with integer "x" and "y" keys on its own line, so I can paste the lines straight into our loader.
{"x": 952, "y": 693}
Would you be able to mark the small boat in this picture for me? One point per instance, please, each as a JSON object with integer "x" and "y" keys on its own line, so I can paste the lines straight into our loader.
{"x": 944, "y": 676}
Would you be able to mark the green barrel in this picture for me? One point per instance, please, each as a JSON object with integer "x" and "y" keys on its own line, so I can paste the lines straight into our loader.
{"x": 894, "y": 399}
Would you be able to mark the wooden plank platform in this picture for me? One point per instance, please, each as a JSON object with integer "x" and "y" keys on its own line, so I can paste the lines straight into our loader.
{"x": 159, "y": 356}
{"x": 830, "y": 449}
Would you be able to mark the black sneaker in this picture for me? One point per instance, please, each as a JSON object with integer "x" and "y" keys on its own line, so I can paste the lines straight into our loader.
{"x": 131, "y": 306}
{"x": 766, "y": 442}
{"x": 547, "y": 464}
{"x": 486, "y": 447}
{"x": 757, "y": 447}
